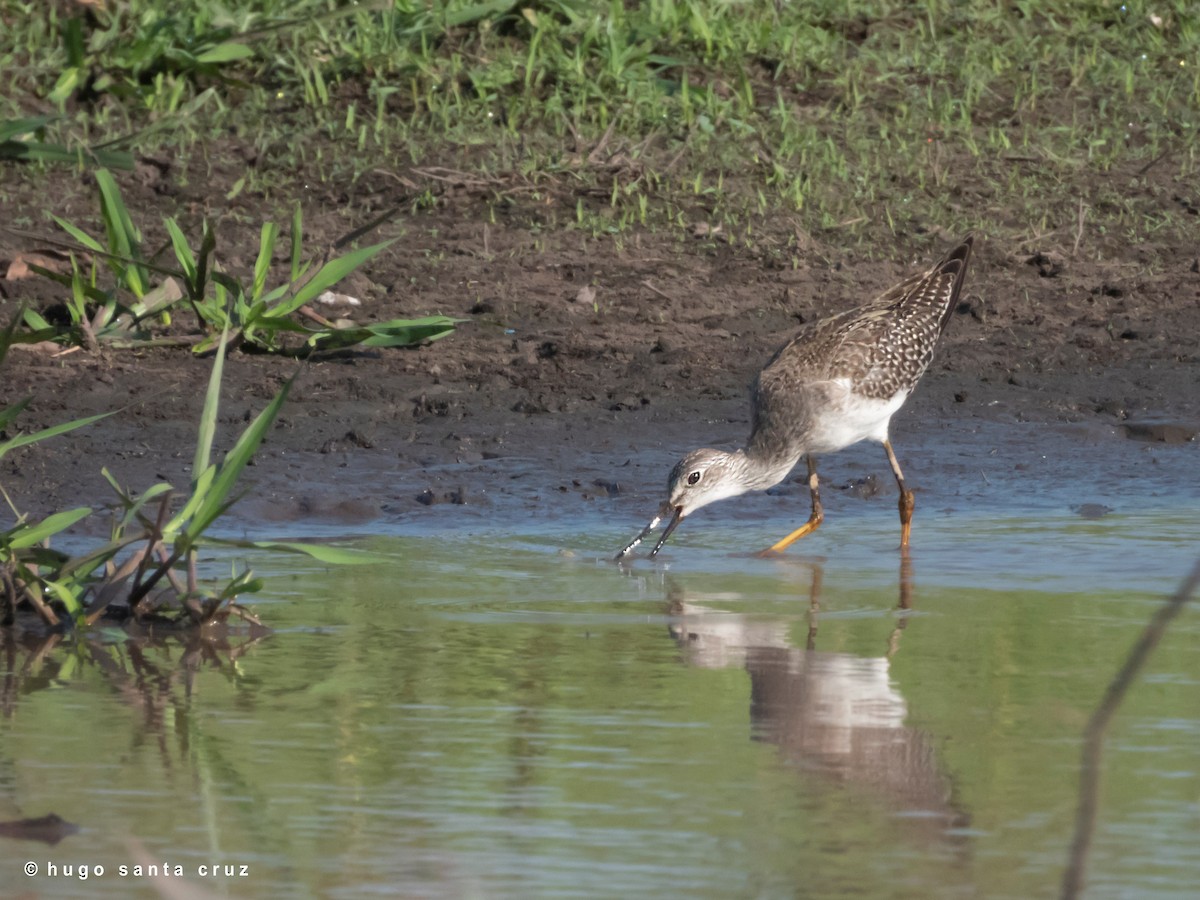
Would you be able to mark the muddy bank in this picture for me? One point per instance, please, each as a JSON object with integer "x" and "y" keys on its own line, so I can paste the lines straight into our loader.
{"x": 597, "y": 359}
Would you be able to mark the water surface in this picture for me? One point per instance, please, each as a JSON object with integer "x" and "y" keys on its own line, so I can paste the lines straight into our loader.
{"x": 499, "y": 711}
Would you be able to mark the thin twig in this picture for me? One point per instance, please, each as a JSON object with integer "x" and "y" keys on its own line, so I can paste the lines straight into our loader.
{"x": 309, "y": 312}
{"x": 88, "y": 336}
{"x": 646, "y": 283}
{"x": 38, "y": 604}
{"x": 1093, "y": 745}
{"x": 1150, "y": 165}
{"x": 136, "y": 597}
{"x": 242, "y": 613}
{"x": 112, "y": 584}
{"x": 594, "y": 156}
{"x": 1079, "y": 227}
{"x": 177, "y": 585}
{"x": 456, "y": 177}
{"x": 9, "y": 598}
{"x": 152, "y": 539}
{"x": 193, "y": 582}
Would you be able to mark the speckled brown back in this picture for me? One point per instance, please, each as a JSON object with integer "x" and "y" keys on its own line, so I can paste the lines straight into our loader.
{"x": 882, "y": 348}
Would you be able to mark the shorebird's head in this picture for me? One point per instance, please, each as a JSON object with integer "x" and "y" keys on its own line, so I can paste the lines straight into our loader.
{"x": 700, "y": 478}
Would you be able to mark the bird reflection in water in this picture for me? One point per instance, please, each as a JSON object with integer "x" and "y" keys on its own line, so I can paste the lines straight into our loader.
{"x": 835, "y": 715}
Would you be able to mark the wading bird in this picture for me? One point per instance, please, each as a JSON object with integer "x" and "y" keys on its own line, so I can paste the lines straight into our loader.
{"x": 839, "y": 381}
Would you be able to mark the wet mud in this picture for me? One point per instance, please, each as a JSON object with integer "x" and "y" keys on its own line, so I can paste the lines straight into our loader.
{"x": 551, "y": 399}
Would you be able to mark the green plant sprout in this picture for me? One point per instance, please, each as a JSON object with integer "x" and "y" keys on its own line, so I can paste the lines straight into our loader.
{"x": 251, "y": 314}
{"x": 149, "y": 566}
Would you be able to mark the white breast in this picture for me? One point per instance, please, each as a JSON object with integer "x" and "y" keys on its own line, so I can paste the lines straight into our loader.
{"x": 848, "y": 418}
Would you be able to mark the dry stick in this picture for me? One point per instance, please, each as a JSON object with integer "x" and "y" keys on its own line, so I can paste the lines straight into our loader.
{"x": 1093, "y": 745}
{"x": 160, "y": 550}
{"x": 136, "y": 597}
{"x": 8, "y": 594}
{"x": 593, "y": 158}
{"x": 153, "y": 537}
{"x": 1150, "y": 165}
{"x": 112, "y": 582}
{"x": 88, "y": 335}
{"x": 1079, "y": 227}
{"x": 309, "y": 312}
{"x": 36, "y": 602}
{"x": 193, "y": 582}
{"x": 646, "y": 283}
{"x": 243, "y": 613}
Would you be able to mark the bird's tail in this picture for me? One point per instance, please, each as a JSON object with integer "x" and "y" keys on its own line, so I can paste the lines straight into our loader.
{"x": 946, "y": 278}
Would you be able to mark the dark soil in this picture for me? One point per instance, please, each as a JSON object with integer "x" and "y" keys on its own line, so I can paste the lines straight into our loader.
{"x": 575, "y": 385}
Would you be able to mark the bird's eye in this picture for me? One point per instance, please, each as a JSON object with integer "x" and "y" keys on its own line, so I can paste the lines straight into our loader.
{"x": 694, "y": 478}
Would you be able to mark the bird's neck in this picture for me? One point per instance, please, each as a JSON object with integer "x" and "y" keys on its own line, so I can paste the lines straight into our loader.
{"x": 760, "y": 468}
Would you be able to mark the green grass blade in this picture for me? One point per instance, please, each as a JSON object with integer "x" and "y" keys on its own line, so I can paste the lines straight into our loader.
{"x": 11, "y": 412}
{"x": 23, "y": 439}
{"x": 208, "y": 243}
{"x": 183, "y": 252}
{"x": 395, "y": 333}
{"x": 14, "y": 128}
{"x": 80, "y": 235}
{"x": 133, "y": 507}
{"x": 97, "y": 556}
{"x": 35, "y": 151}
{"x": 36, "y": 321}
{"x": 200, "y": 488}
{"x": 66, "y": 595}
{"x": 330, "y": 274}
{"x": 208, "y": 417}
{"x": 468, "y": 14}
{"x": 28, "y": 535}
{"x": 6, "y": 341}
{"x": 44, "y": 557}
{"x": 297, "y": 238}
{"x": 123, "y": 238}
{"x": 245, "y": 583}
{"x": 273, "y": 295}
{"x": 336, "y": 556}
{"x": 224, "y": 53}
{"x": 266, "y": 249}
{"x": 216, "y": 498}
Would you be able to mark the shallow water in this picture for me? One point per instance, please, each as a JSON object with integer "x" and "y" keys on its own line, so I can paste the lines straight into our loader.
{"x": 500, "y": 711}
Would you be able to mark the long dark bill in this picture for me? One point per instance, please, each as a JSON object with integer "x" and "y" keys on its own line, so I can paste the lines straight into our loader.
{"x": 675, "y": 520}
{"x": 637, "y": 540}
{"x": 654, "y": 523}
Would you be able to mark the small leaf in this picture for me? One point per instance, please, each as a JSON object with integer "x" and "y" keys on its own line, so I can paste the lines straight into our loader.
{"x": 266, "y": 248}
{"x": 80, "y": 235}
{"x": 394, "y": 333}
{"x": 158, "y": 299}
{"x": 297, "y": 232}
{"x": 208, "y": 416}
{"x": 224, "y": 53}
{"x": 200, "y": 487}
{"x": 28, "y": 535}
{"x": 183, "y": 252}
{"x": 15, "y": 128}
{"x": 217, "y": 498}
{"x": 124, "y": 240}
{"x": 66, "y": 595}
{"x": 469, "y": 14}
{"x": 336, "y": 556}
{"x": 11, "y": 412}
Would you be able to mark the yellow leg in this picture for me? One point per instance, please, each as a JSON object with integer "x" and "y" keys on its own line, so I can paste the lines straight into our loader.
{"x": 814, "y": 520}
{"x": 907, "y": 501}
